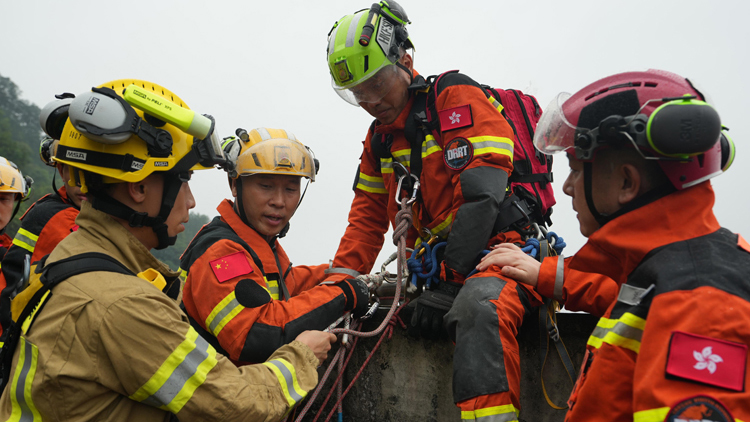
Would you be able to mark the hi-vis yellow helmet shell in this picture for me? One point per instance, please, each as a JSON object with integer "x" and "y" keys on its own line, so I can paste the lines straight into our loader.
{"x": 274, "y": 151}
{"x": 12, "y": 181}
{"x": 122, "y": 156}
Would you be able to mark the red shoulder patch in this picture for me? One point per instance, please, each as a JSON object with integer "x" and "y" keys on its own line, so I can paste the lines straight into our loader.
{"x": 742, "y": 243}
{"x": 699, "y": 408}
{"x": 456, "y": 117}
{"x": 707, "y": 360}
{"x": 230, "y": 266}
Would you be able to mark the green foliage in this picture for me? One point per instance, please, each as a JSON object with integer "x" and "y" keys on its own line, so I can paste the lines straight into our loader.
{"x": 19, "y": 142}
{"x": 171, "y": 255}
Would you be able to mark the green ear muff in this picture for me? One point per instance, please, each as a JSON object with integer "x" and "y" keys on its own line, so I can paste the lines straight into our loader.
{"x": 727, "y": 150}
{"x": 683, "y": 128}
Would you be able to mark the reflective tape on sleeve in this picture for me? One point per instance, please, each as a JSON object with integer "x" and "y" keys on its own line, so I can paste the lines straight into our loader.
{"x": 624, "y": 332}
{"x": 371, "y": 184}
{"x": 224, "y": 312}
{"x": 287, "y": 376}
{"x": 25, "y": 239}
{"x": 559, "y": 279}
{"x": 492, "y": 145}
{"x": 386, "y": 165}
{"x": 180, "y": 375}
{"x": 430, "y": 146}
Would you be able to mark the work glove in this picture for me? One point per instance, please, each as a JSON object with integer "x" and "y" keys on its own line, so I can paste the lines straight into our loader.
{"x": 357, "y": 296}
{"x": 431, "y": 307}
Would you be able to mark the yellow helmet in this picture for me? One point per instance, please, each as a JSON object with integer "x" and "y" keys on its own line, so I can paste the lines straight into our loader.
{"x": 98, "y": 137}
{"x": 274, "y": 151}
{"x": 12, "y": 181}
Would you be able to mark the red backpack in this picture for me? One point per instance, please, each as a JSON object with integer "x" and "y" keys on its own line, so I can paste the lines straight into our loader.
{"x": 530, "y": 198}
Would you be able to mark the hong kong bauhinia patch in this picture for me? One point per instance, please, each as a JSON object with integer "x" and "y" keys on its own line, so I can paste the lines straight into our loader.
{"x": 458, "y": 153}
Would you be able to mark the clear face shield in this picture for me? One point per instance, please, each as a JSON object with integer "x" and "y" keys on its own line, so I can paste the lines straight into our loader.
{"x": 370, "y": 90}
{"x": 554, "y": 133}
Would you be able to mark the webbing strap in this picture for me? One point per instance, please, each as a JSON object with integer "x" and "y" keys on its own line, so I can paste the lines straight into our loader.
{"x": 53, "y": 274}
{"x": 548, "y": 329}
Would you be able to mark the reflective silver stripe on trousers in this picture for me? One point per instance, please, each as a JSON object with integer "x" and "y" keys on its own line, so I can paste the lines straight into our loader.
{"x": 559, "y": 278}
{"x": 297, "y": 397}
{"x": 620, "y": 329}
{"x": 503, "y": 417}
{"x": 26, "y": 414}
{"x": 180, "y": 375}
{"x": 223, "y": 313}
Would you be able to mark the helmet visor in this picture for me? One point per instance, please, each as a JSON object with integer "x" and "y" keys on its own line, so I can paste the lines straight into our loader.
{"x": 554, "y": 133}
{"x": 370, "y": 90}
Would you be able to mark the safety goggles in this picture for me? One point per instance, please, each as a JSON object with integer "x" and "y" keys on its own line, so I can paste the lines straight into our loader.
{"x": 370, "y": 90}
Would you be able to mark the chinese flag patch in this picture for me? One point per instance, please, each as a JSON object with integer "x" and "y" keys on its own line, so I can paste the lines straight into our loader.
{"x": 230, "y": 266}
{"x": 456, "y": 117}
{"x": 707, "y": 360}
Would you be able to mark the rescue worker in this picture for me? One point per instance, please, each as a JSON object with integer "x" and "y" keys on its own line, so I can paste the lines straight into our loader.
{"x": 464, "y": 177}
{"x": 241, "y": 292}
{"x": 14, "y": 188}
{"x": 107, "y": 346}
{"x": 672, "y": 344}
{"x": 44, "y": 224}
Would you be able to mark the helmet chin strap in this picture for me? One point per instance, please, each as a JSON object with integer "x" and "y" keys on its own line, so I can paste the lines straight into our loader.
{"x": 408, "y": 72}
{"x": 109, "y": 205}
{"x": 645, "y": 199}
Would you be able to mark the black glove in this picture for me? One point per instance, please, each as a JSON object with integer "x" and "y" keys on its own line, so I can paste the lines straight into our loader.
{"x": 357, "y": 296}
{"x": 431, "y": 307}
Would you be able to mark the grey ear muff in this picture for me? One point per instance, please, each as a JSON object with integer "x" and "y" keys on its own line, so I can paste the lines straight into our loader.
{"x": 683, "y": 128}
{"x": 99, "y": 117}
{"x": 53, "y": 116}
{"x": 727, "y": 150}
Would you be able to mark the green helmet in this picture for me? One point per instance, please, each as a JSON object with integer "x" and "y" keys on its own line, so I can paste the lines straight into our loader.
{"x": 353, "y": 59}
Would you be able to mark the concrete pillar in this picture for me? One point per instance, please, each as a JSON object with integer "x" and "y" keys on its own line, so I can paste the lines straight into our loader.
{"x": 410, "y": 379}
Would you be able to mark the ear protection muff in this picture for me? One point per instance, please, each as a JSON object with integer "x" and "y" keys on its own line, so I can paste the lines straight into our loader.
{"x": 45, "y": 151}
{"x": 727, "y": 150}
{"x": 683, "y": 127}
{"x": 53, "y": 116}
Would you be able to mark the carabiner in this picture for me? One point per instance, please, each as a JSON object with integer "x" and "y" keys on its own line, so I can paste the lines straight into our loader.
{"x": 401, "y": 178}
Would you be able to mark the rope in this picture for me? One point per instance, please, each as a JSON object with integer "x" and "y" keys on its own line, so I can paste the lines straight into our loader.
{"x": 404, "y": 219}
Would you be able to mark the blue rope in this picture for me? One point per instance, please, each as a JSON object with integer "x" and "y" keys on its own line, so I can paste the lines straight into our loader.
{"x": 532, "y": 246}
{"x": 428, "y": 268}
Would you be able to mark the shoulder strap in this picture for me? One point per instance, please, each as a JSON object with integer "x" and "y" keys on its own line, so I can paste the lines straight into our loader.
{"x": 52, "y": 275}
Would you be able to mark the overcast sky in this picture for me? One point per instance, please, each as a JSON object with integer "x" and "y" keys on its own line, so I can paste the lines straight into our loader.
{"x": 253, "y": 63}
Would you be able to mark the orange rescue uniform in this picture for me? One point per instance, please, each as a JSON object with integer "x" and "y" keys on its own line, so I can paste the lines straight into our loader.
{"x": 244, "y": 292}
{"x": 460, "y": 195}
{"x": 680, "y": 325}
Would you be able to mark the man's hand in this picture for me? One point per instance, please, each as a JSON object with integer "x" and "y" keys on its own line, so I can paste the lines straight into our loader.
{"x": 514, "y": 262}
{"x": 320, "y": 342}
{"x": 357, "y": 296}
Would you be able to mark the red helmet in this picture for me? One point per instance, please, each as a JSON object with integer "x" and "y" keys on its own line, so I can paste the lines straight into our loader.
{"x": 662, "y": 115}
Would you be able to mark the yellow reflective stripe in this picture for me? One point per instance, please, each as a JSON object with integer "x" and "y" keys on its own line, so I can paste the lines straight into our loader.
{"x": 430, "y": 146}
{"x": 495, "y": 103}
{"x": 442, "y": 229}
{"x": 22, "y": 405}
{"x": 403, "y": 156}
{"x": 492, "y": 144}
{"x": 624, "y": 332}
{"x": 223, "y": 313}
{"x": 273, "y": 288}
{"x": 652, "y": 415}
{"x": 25, "y": 239}
{"x": 182, "y": 272}
{"x": 371, "y": 184}
{"x": 174, "y": 383}
{"x": 27, "y": 322}
{"x": 287, "y": 376}
{"x": 505, "y": 413}
{"x": 386, "y": 165}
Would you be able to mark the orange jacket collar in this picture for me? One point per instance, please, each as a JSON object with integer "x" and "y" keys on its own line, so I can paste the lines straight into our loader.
{"x": 616, "y": 249}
